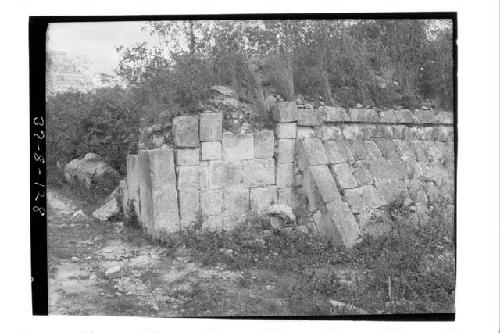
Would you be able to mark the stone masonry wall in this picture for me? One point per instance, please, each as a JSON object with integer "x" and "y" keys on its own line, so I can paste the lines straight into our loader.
{"x": 337, "y": 168}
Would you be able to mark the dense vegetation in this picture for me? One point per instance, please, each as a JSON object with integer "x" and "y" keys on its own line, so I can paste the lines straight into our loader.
{"x": 372, "y": 62}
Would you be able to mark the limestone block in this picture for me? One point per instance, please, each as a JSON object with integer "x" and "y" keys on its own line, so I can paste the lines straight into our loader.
{"x": 358, "y": 149}
{"x": 425, "y": 133}
{"x": 334, "y": 114}
{"x": 146, "y": 217}
{"x": 236, "y": 201}
{"x": 388, "y": 148}
{"x": 185, "y": 131}
{"x": 222, "y": 174}
{"x": 133, "y": 177}
{"x": 213, "y": 223}
{"x": 187, "y": 156}
{"x": 262, "y": 197}
{"x": 381, "y": 170}
{"x": 352, "y": 132}
{"x": 285, "y": 175}
{"x": 210, "y": 126}
{"x": 361, "y": 174}
{"x": 398, "y": 131}
{"x": 284, "y": 112}
{"x": 311, "y": 152}
{"x": 286, "y": 151}
{"x": 388, "y": 116}
{"x": 405, "y": 116}
{"x": 444, "y": 133}
{"x": 444, "y": 117}
{"x": 391, "y": 190}
{"x": 319, "y": 186}
{"x": 401, "y": 172}
{"x": 411, "y": 133}
{"x": 286, "y": 130}
{"x": 416, "y": 192}
{"x": 163, "y": 188}
{"x": 334, "y": 152}
{"x": 258, "y": 172}
{"x": 192, "y": 178}
{"x": 363, "y": 115}
{"x": 372, "y": 151}
{"x": 343, "y": 175}
{"x": 371, "y": 197}
{"x": 285, "y": 197}
{"x": 355, "y": 200}
{"x": 405, "y": 150}
{"x": 237, "y": 146}
{"x": 345, "y": 230}
{"x": 325, "y": 133}
{"x": 305, "y": 132}
{"x": 369, "y": 131}
{"x": 425, "y": 116}
{"x": 419, "y": 149}
{"x": 211, "y": 151}
{"x": 212, "y": 202}
{"x": 189, "y": 204}
{"x": 308, "y": 117}
{"x": 264, "y": 144}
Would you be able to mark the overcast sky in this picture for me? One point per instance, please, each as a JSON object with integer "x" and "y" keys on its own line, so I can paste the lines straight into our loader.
{"x": 95, "y": 40}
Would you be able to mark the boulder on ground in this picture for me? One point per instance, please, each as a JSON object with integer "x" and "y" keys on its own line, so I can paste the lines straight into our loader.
{"x": 111, "y": 207}
{"x": 89, "y": 171}
{"x": 225, "y": 91}
{"x": 79, "y": 215}
{"x": 282, "y": 211}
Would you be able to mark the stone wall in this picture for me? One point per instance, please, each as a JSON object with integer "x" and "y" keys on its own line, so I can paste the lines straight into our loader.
{"x": 337, "y": 168}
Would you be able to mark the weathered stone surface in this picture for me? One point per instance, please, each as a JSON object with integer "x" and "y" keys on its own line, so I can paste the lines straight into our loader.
{"x": 146, "y": 217}
{"x": 286, "y": 151}
{"x": 264, "y": 144}
{"x": 416, "y": 192}
{"x": 363, "y": 115}
{"x": 352, "y": 132}
{"x": 211, "y": 151}
{"x": 343, "y": 176}
{"x": 419, "y": 149}
{"x": 311, "y": 152}
{"x": 381, "y": 170}
{"x": 391, "y": 190}
{"x": 425, "y": 116}
{"x": 222, "y": 174}
{"x": 397, "y": 131}
{"x": 308, "y": 117}
{"x": 355, "y": 200}
{"x": 286, "y": 197}
{"x": 334, "y": 114}
{"x": 187, "y": 156}
{"x": 388, "y": 148}
{"x": 411, "y": 133}
{"x": 211, "y": 126}
{"x": 335, "y": 152}
{"x": 258, "y": 172}
{"x": 189, "y": 204}
{"x": 163, "y": 188}
{"x": 229, "y": 222}
{"x": 361, "y": 174}
{"x": 284, "y": 112}
{"x": 329, "y": 133}
{"x": 369, "y": 131}
{"x": 319, "y": 186}
{"x": 124, "y": 204}
{"x": 223, "y": 90}
{"x": 192, "y": 178}
{"x": 282, "y": 211}
{"x": 399, "y": 168}
{"x": 285, "y": 175}
{"x": 185, "y": 131}
{"x": 109, "y": 209}
{"x": 89, "y": 170}
{"x": 237, "y": 146}
{"x": 405, "y": 116}
{"x": 236, "y": 201}
{"x": 444, "y": 133}
{"x": 212, "y": 202}
{"x": 372, "y": 151}
{"x": 425, "y": 133}
{"x": 358, "y": 149}
{"x": 286, "y": 130}
{"x": 404, "y": 150}
{"x": 388, "y": 116}
{"x": 344, "y": 230}
{"x": 305, "y": 132}
{"x": 445, "y": 117}
{"x": 371, "y": 196}
{"x": 262, "y": 198}
{"x": 133, "y": 178}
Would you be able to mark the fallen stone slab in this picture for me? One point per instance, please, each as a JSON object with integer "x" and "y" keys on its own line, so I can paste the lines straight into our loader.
{"x": 111, "y": 207}
{"x": 283, "y": 211}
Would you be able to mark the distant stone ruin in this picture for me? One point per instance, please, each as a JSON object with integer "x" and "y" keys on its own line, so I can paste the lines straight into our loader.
{"x": 336, "y": 168}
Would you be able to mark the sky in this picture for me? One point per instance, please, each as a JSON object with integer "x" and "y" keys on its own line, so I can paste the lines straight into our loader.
{"x": 95, "y": 40}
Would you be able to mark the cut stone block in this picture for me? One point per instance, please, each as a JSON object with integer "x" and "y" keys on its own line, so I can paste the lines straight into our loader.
{"x": 211, "y": 126}
{"x": 262, "y": 197}
{"x": 411, "y": 133}
{"x": 397, "y": 132}
{"x": 284, "y": 112}
{"x": 405, "y": 116}
{"x": 381, "y": 170}
{"x": 425, "y": 133}
{"x": 237, "y": 147}
{"x": 305, "y": 132}
{"x": 343, "y": 229}
{"x": 391, "y": 190}
{"x": 319, "y": 186}
{"x": 264, "y": 144}
{"x": 352, "y": 132}
{"x": 286, "y": 151}
{"x": 371, "y": 196}
{"x": 420, "y": 154}
{"x": 286, "y": 130}
{"x": 222, "y": 174}
{"x": 343, "y": 176}
{"x": 404, "y": 150}
{"x": 355, "y": 200}
{"x": 164, "y": 192}
{"x": 146, "y": 217}
{"x": 399, "y": 167}
{"x": 236, "y": 201}
{"x": 212, "y": 202}
{"x": 211, "y": 151}
{"x": 325, "y": 133}
{"x": 363, "y": 115}
{"x": 311, "y": 152}
{"x": 285, "y": 197}
{"x": 361, "y": 174}
{"x": 187, "y": 156}
{"x": 334, "y": 114}
{"x": 425, "y": 116}
{"x": 372, "y": 151}
{"x": 133, "y": 178}
{"x": 189, "y": 204}
{"x": 369, "y": 132}
{"x": 358, "y": 149}
{"x": 285, "y": 175}
{"x": 445, "y": 117}
{"x": 185, "y": 131}
{"x": 444, "y": 133}
{"x": 388, "y": 148}
{"x": 388, "y": 116}
{"x": 308, "y": 117}
{"x": 334, "y": 152}
{"x": 258, "y": 172}
{"x": 192, "y": 178}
